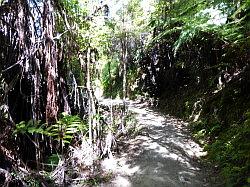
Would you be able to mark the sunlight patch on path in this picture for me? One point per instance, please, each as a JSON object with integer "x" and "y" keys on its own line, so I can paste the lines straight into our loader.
{"x": 162, "y": 155}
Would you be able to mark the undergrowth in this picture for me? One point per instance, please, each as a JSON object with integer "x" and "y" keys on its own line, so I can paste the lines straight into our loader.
{"x": 220, "y": 122}
{"x": 227, "y": 148}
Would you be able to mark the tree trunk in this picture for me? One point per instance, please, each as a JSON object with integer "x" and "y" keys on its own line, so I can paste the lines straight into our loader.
{"x": 124, "y": 82}
{"x": 50, "y": 50}
{"x": 91, "y": 103}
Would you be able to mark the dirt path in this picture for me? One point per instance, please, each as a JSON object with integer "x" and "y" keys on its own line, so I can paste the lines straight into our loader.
{"x": 162, "y": 155}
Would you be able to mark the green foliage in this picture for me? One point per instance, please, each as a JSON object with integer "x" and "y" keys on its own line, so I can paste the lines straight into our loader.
{"x": 63, "y": 130}
{"x": 66, "y": 127}
{"x": 232, "y": 152}
{"x": 31, "y": 127}
{"x": 52, "y": 161}
{"x": 191, "y": 19}
{"x": 225, "y": 133}
{"x": 112, "y": 79}
{"x": 229, "y": 148}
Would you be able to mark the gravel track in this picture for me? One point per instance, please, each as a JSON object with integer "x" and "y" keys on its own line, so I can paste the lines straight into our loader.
{"x": 163, "y": 154}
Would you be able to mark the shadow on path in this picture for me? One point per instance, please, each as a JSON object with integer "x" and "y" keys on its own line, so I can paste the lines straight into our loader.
{"x": 162, "y": 155}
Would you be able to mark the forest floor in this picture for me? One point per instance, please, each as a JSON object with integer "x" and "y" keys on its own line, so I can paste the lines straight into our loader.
{"x": 162, "y": 154}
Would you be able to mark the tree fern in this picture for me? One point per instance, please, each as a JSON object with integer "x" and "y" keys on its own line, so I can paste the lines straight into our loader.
{"x": 193, "y": 18}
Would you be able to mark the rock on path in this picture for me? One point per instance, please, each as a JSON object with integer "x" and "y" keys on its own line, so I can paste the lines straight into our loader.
{"x": 164, "y": 154}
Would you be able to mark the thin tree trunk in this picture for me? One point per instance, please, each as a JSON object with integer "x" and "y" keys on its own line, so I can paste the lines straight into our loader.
{"x": 124, "y": 83}
{"x": 92, "y": 109}
{"x": 110, "y": 79}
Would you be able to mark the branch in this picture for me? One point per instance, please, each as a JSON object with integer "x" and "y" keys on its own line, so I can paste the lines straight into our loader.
{"x": 17, "y": 63}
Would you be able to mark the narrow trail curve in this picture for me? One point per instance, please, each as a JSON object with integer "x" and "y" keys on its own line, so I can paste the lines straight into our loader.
{"x": 164, "y": 154}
